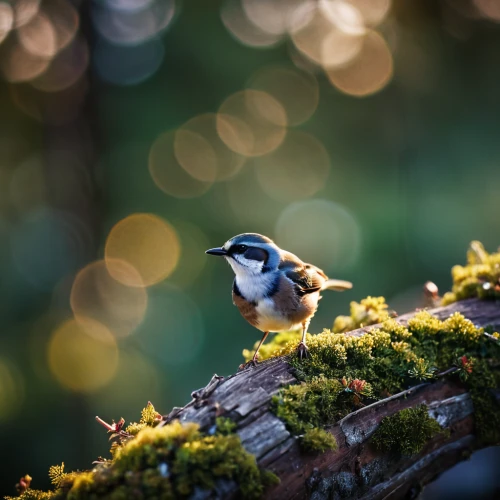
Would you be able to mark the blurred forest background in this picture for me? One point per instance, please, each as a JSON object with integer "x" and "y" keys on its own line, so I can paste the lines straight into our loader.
{"x": 134, "y": 134}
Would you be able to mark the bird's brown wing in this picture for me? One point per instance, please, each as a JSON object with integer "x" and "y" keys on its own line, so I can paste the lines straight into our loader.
{"x": 306, "y": 277}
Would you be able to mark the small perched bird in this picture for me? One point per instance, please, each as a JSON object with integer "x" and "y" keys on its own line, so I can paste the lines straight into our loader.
{"x": 273, "y": 289}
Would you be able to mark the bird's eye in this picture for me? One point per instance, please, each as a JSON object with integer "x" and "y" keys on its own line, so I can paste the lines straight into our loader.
{"x": 240, "y": 248}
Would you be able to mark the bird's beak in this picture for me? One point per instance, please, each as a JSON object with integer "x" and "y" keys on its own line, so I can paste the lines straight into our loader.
{"x": 216, "y": 251}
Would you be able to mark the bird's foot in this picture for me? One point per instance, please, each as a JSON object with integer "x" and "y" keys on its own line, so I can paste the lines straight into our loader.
{"x": 302, "y": 351}
{"x": 248, "y": 364}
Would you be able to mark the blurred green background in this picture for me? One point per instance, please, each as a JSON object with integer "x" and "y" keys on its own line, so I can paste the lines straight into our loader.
{"x": 360, "y": 134}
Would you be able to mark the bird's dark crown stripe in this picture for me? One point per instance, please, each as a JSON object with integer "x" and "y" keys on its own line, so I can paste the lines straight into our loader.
{"x": 249, "y": 238}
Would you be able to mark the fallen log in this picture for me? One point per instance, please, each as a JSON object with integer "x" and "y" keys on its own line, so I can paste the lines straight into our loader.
{"x": 356, "y": 469}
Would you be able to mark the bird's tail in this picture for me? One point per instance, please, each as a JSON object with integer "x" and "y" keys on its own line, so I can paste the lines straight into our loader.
{"x": 337, "y": 285}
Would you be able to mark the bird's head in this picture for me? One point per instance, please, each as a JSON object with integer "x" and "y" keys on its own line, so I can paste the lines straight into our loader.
{"x": 249, "y": 253}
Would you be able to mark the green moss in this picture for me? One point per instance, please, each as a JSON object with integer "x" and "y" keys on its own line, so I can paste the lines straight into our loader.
{"x": 318, "y": 440}
{"x": 479, "y": 278}
{"x": 368, "y": 311}
{"x": 344, "y": 372}
{"x": 31, "y": 494}
{"x": 225, "y": 425}
{"x": 407, "y": 431}
{"x": 272, "y": 348}
{"x": 167, "y": 462}
{"x": 149, "y": 418}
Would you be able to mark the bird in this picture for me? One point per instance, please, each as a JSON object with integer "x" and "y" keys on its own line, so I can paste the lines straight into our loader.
{"x": 273, "y": 289}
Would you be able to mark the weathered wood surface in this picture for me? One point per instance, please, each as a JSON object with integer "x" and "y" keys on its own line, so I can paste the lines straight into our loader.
{"x": 355, "y": 470}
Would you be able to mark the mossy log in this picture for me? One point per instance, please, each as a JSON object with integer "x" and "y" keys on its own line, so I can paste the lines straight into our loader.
{"x": 356, "y": 469}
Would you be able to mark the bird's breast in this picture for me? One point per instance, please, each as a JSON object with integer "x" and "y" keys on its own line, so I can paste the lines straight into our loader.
{"x": 271, "y": 319}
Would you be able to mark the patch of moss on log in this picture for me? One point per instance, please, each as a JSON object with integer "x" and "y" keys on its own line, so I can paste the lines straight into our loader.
{"x": 169, "y": 462}
{"x": 479, "y": 278}
{"x": 318, "y": 440}
{"x": 368, "y": 311}
{"x": 407, "y": 431}
{"x": 345, "y": 372}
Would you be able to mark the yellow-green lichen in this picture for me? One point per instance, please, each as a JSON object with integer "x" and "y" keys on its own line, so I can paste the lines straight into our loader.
{"x": 368, "y": 311}
{"x": 168, "y": 462}
{"x": 407, "y": 431}
{"x": 479, "y": 278}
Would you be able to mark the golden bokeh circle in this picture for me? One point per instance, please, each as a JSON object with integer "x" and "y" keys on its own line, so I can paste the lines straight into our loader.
{"x": 196, "y": 155}
{"x": 242, "y": 29}
{"x": 309, "y": 27}
{"x": 148, "y": 243}
{"x": 370, "y": 71}
{"x": 297, "y": 169}
{"x": 296, "y": 90}
{"x": 168, "y": 174}
{"x": 227, "y": 162}
{"x": 251, "y": 122}
{"x": 83, "y": 356}
{"x": 372, "y": 11}
{"x": 97, "y": 295}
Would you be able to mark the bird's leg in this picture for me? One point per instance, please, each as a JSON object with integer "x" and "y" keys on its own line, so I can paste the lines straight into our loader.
{"x": 253, "y": 362}
{"x": 302, "y": 350}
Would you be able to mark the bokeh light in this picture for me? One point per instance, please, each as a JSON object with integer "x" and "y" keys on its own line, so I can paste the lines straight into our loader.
{"x": 167, "y": 172}
{"x": 489, "y": 9}
{"x": 213, "y": 160}
{"x": 370, "y": 71}
{"x": 11, "y": 390}
{"x": 242, "y": 29}
{"x": 6, "y": 20}
{"x": 297, "y": 91}
{"x": 321, "y": 232}
{"x": 297, "y": 169}
{"x": 196, "y": 155}
{"x": 65, "y": 69}
{"x": 132, "y": 65}
{"x": 97, "y": 295}
{"x": 173, "y": 331}
{"x": 270, "y": 16}
{"x": 309, "y": 28}
{"x": 83, "y": 356}
{"x": 64, "y": 19}
{"x": 19, "y": 65}
{"x": 25, "y": 10}
{"x": 344, "y": 15}
{"x": 38, "y": 37}
{"x": 47, "y": 244}
{"x": 251, "y": 122}
{"x": 372, "y": 11}
{"x": 148, "y": 243}
{"x": 122, "y": 25}
{"x": 193, "y": 259}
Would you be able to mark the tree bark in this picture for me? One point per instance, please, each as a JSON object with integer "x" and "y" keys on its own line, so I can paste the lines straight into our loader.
{"x": 356, "y": 469}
